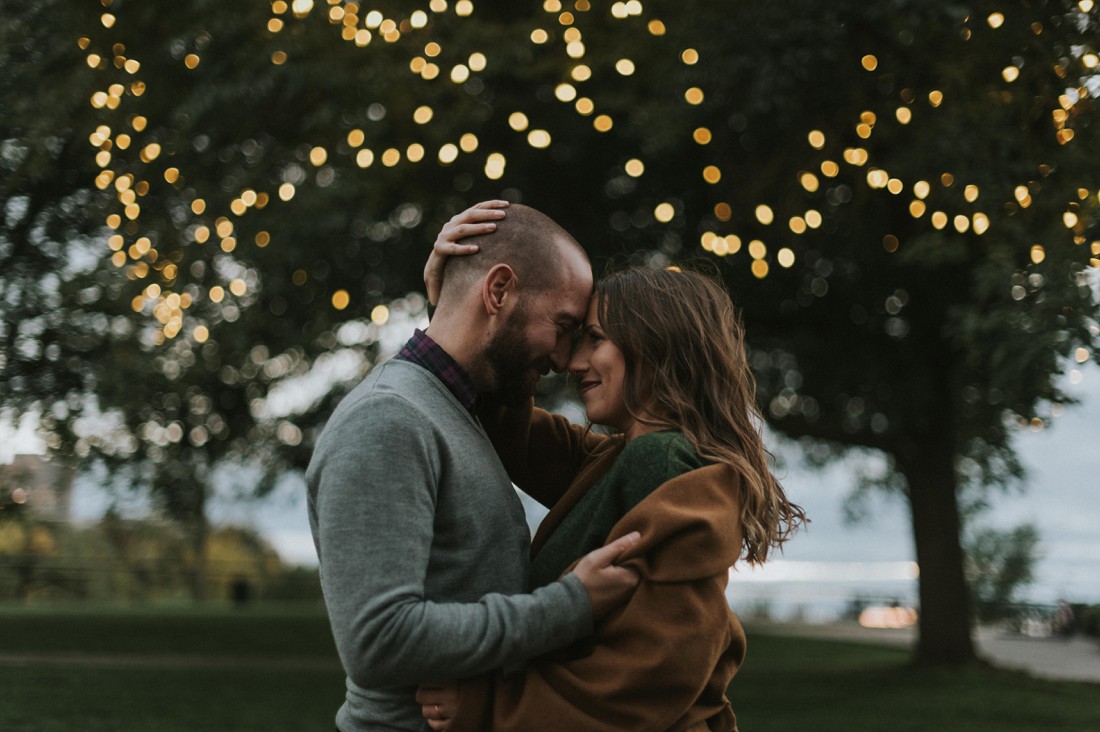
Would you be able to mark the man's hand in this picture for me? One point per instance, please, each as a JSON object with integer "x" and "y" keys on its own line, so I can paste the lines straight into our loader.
{"x": 438, "y": 703}
{"x": 479, "y": 219}
{"x": 608, "y": 586}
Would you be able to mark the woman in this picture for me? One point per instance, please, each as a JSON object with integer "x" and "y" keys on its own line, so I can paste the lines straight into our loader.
{"x": 661, "y": 360}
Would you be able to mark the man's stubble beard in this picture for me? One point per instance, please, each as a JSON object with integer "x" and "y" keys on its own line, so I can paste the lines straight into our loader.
{"x": 509, "y": 358}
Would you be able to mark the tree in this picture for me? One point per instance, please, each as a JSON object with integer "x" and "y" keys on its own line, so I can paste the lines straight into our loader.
{"x": 999, "y": 563}
{"x": 899, "y": 196}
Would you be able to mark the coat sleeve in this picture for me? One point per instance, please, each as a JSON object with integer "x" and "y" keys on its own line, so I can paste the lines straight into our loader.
{"x": 660, "y": 662}
{"x": 542, "y": 452}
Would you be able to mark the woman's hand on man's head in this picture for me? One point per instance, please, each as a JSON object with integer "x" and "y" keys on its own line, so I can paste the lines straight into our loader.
{"x": 479, "y": 219}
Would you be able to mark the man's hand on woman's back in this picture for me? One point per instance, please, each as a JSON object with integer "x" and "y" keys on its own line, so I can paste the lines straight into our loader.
{"x": 608, "y": 585}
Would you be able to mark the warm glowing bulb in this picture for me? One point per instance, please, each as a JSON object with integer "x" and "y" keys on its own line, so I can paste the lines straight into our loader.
{"x": 518, "y": 121}
{"x": 565, "y": 92}
{"x": 494, "y": 166}
{"x": 538, "y": 139}
{"x": 626, "y": 67}
{"x": 448, "y": 153}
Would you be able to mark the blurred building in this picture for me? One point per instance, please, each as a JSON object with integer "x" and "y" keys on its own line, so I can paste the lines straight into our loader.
{"x": 41, "y": 485}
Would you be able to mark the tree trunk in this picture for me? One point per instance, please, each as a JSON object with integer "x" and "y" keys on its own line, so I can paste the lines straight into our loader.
{"x": 181, "y": 486}
{"x": 945, "y": 610}
{"x": 24, "y": 572}
{"x": 197, "y": 578}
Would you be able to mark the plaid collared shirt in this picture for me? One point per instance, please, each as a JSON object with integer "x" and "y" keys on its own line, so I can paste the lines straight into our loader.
{"x": 426, "y": 353}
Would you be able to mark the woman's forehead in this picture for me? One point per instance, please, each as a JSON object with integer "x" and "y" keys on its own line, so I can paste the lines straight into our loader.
{"x": 593, "y": 314}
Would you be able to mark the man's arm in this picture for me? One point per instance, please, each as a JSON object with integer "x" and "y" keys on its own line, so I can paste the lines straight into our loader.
{"x": 374, "y": 499}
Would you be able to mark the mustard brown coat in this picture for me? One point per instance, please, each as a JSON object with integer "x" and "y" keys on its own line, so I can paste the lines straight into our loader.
{"x": 661, "y": 662}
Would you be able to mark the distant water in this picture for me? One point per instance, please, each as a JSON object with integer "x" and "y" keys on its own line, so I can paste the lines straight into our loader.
{"x": 825, "y": 591}
{"x": 819, "y": 592}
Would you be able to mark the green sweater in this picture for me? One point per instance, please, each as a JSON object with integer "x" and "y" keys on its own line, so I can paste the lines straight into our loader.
{"x": 645, "y": 463}
{"x": 422, "y": 544}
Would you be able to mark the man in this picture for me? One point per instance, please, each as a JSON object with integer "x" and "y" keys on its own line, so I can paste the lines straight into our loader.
{"x": 421, "y": 539}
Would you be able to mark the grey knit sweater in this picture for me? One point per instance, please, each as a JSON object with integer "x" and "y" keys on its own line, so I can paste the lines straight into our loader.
{"x": 423, "y": 548}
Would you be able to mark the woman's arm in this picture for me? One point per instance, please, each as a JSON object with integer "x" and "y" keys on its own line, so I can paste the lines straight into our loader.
{"x": 663, "y": 659}
{"x": 542, "y": 452}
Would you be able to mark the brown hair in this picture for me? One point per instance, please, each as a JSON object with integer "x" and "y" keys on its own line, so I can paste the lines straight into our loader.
{"x": 684, "y": 350}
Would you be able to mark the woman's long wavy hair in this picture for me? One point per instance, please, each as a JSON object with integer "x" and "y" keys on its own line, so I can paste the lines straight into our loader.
{"x": 686, "y": 369}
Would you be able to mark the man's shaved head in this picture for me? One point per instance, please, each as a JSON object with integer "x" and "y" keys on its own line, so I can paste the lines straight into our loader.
{"x": 528, "y": 241}
{"x": 507, "y": 312}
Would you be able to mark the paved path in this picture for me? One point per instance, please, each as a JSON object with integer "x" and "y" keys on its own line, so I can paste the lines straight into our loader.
{"x": 1072, "y": 659}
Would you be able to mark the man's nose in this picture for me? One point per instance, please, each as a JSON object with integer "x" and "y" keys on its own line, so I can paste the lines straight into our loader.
{"x": 559, "y": 359}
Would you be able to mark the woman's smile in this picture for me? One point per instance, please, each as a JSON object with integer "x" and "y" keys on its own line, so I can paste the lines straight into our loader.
{"x": 588, "y": 384}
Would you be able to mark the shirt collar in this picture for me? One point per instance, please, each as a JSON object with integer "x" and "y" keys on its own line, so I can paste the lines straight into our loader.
{"x": 426, "y": 353}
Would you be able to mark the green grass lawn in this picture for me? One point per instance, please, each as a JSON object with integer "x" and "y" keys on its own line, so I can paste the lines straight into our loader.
{"x": 827, "y": 686}
{"x": 264, "y": 668}
{"x": 274, "y": 668}
{"x": 212, "y": 630}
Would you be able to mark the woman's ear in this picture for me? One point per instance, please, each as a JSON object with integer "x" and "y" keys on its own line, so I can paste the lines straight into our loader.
{"x": 499, "y": 285}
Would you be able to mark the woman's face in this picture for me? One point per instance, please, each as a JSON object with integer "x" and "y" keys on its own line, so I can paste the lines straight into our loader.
{"x": 600, "y": 369}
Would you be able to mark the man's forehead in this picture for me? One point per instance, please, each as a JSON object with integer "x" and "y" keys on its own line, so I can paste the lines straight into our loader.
{"x": 574, "y": 261}
{"x": 572, "y": 302}
{"x": 568, "y": 297}
{"x": 570, "y": 317}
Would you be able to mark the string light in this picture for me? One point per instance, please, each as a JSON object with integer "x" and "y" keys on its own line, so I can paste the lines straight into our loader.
{"x": 112, "y": 150}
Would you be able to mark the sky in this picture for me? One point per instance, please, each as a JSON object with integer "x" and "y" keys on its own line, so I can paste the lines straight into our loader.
{"x": 832, "y": 559}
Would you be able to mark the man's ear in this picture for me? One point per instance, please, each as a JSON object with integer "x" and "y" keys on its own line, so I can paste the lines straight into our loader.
{"x": 498, "y": 286}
